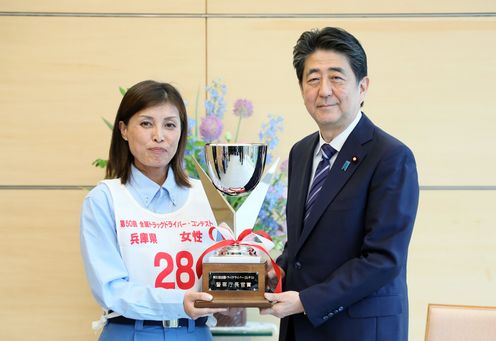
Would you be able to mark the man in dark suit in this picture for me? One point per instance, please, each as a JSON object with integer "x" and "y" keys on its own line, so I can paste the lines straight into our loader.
{"x": 352, "y": 201}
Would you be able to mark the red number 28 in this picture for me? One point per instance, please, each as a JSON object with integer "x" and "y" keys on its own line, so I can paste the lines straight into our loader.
{"x": 184, "y": 263}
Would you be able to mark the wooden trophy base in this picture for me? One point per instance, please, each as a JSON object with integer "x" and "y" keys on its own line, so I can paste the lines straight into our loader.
{"x": 234, "y": 285}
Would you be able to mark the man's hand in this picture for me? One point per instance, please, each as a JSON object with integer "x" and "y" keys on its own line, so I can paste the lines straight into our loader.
{"x": 189, "y": 304}
{"x": 284, "y": 304}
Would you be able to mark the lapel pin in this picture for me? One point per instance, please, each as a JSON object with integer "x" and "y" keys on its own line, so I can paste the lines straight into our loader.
{"x": 345, "y": 166}
{"x": 354, "y": 159}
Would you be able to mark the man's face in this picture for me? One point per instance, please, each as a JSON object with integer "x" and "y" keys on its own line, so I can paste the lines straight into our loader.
{"x": 330, "y": 90}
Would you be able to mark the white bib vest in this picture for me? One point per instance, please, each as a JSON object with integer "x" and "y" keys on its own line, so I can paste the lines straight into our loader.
{"x": 161, "y": 250}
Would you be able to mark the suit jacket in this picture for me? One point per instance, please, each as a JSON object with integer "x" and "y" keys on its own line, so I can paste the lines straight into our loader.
{"x": 349, "y": 263}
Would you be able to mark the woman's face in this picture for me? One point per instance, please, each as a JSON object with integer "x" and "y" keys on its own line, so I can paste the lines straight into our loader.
{"x": 153, "y": 135}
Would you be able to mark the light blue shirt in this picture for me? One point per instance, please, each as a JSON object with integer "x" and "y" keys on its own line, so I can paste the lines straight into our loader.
{"x": 106, "y": 272}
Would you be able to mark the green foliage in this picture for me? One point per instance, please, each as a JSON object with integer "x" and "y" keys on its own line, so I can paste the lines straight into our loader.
{"x": 108, "y": 124}
{"x": 100, "y": 163}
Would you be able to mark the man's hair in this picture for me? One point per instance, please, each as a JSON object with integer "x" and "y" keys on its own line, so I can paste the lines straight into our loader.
{"x": 332, "y": 39}
{"x": 141, "y": 96}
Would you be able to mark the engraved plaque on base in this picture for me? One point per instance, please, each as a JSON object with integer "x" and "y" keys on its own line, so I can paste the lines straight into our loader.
{"x": 234, "y": 285}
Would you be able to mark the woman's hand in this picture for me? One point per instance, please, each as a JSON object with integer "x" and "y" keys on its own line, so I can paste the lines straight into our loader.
{"x": 189, "y": 305}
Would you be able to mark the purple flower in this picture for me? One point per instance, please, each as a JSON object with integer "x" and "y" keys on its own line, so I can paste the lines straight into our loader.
{"x": 210, "y": 128}
{"x": 243, "y": 108}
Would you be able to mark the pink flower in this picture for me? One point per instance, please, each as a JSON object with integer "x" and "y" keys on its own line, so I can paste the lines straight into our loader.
{"x": 243, "y": 108}
{"x": 211, "y": 128}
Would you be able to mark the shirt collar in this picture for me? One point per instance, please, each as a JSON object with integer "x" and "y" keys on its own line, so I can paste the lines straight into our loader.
{"x": 338, "y": 142}
{"x": 170, "y": 185}
{"x": 147, "y": 189}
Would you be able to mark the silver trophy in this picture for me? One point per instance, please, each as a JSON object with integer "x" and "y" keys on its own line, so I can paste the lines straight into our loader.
{"x": 235, "y": 169}
{"x": 235, "y": 275}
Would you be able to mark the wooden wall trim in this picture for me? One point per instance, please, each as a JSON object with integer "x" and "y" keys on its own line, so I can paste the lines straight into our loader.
{"x": 253, "y": 15}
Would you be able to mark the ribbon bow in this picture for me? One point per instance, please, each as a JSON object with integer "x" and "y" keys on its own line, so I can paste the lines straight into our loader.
{"x": 257, "y": 239}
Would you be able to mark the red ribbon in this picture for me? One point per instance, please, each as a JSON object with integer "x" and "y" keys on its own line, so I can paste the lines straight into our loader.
{"x": 240, "y": 241}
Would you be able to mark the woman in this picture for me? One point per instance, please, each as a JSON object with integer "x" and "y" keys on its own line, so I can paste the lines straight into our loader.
{"x": 144, "y": 227}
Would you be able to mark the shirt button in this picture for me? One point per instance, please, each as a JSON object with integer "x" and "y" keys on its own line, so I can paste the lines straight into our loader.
{"x": 340, "y": 308}
{"x": 331, "y": 315}
{"x": 298, "y": 265}
{"x": 325, "y": 318}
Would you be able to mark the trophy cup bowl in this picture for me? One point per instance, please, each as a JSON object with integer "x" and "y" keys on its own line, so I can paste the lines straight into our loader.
{"x": 235, "y": 275}
{"x": 235, "y": 169}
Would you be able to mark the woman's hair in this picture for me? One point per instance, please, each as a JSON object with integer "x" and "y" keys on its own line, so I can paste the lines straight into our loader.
{"x": 141, "y": 96}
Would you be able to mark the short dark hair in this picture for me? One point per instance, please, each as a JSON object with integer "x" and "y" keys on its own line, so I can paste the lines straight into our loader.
{"x": 334, "y": 39}
{"x": 143, "y": 95}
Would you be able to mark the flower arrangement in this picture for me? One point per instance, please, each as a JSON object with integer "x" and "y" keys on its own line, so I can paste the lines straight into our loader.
{"x": 272, "y": 217}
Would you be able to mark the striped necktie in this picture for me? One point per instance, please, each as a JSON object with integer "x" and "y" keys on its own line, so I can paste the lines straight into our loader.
{"x": 320, "y": 175}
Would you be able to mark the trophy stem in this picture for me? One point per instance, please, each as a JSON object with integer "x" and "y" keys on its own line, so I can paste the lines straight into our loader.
{"x": 223, "y": 212}
{"x": 246, "y": 215}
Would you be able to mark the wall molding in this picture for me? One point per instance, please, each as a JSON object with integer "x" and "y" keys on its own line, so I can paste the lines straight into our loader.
{"x": 253, "y": 15}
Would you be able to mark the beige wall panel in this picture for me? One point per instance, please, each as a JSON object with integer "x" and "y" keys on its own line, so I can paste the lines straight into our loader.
{"x": 60, "y": 76}
{"x": 452, "y": 253}
{"x": 44, "y": 294}
{"x": 358, "y": 6}
{"x": 122, "y": 6}
{"x": 431, "y": 85}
